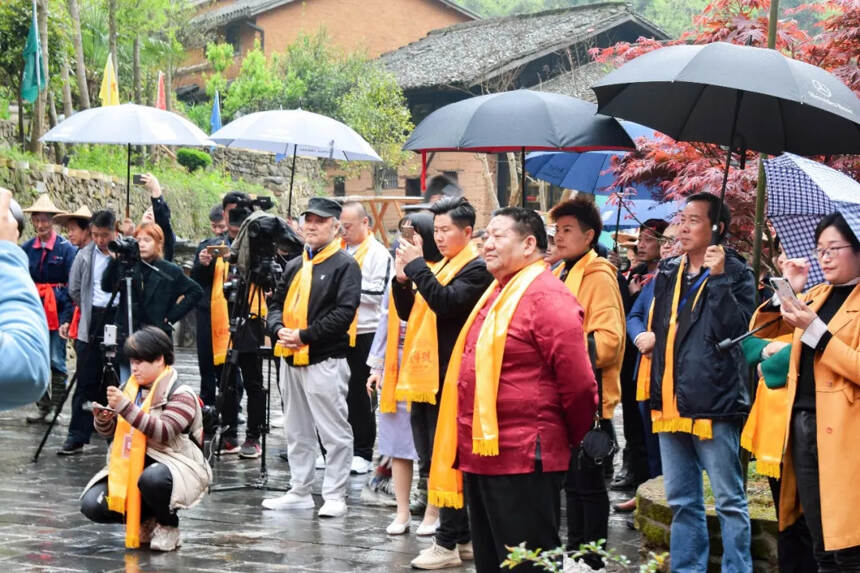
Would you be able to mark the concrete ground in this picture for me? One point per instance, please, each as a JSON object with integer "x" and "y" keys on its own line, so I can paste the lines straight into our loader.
{"x": 42, "y": 529}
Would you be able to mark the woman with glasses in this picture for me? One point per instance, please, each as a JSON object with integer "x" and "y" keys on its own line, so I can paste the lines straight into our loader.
{"x": 821, "y": 462}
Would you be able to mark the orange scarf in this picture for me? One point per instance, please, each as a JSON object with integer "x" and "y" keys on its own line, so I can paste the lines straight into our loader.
{"x": 643, "y": 376}
{"x": 127, "y": 456}
{"x": 668, "y": 419}
{"x": 445, "y": 488}
{"x": 296, "y": 302}
{"x": 220, "y": 313}
{"x": 49, "y": 303}
{"x": 574, "y": 278}
{"x": 418, "y": 376}
{"x": 359, "y": 256}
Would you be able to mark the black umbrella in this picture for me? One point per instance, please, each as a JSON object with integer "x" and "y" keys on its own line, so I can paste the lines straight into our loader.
{"x": 744, "y": 97}
{"x": 518, "y": 120}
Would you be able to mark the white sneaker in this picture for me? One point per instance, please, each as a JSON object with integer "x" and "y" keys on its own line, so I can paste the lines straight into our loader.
{"x": 332, "y": 508}
{"x": 360, "y": 465}
{"x": 320, "y": 463}
{"x": 290, "y": 500}
{"x": 437, "y": 557}
{"x": 165, "y": 538}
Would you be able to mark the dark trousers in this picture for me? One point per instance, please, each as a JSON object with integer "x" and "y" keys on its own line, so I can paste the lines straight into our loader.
{"x": 634, "y": 454}
{"x": 205, "y": 359}
{"x": 361, "y": 415}
{"x": 652, "y": 442}
{"x": 794, "y": 544}
{"x": 251, "y": 366}
{"x": 88, "y": 388}
{"x": 156, "y": 485}
{"x": 804, "y": 454}
{"x": 507, "y": 510}
{"x": 587, "y": 505}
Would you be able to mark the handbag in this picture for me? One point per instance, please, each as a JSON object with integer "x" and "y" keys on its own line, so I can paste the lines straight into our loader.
{"x": 597, "y": 446}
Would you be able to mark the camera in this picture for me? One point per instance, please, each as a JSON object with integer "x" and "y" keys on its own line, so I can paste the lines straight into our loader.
{"x": 126, "y": 249}
{"x": 245, "y": 207}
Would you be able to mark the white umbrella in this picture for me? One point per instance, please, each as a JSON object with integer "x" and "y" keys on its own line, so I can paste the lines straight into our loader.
{"x": 298, "y": 133}
{"x": 128, "y": 124}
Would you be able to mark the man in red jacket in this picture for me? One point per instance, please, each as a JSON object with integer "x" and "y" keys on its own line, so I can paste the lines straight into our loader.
{"x": 545, "y": 397}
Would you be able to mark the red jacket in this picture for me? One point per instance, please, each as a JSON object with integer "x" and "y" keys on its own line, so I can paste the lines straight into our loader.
{"x": 547, "y": 394}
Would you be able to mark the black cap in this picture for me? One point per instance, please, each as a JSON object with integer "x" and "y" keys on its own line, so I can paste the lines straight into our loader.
{"x": 323, "y": 207}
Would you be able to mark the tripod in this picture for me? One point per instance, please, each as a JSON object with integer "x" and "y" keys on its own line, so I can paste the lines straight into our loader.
{"x": 127, "y": 272}
{"x": 247, "y": 291}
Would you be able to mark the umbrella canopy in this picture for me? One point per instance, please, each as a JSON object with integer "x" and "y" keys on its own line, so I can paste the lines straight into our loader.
{"x": 800, "y": 192}
{"x": 128, "y": 124}
{"x": 753, "y": 98}
{"x": 514, "y": 120}
{"x": 631, "y": 213}
{"x": 295, "y": 132}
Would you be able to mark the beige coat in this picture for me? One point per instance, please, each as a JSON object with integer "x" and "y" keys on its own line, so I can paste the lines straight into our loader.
{"x": 837, "y": 403}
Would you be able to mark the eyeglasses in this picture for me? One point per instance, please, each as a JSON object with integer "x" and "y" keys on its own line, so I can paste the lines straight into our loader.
{"x": 829, "y": 252}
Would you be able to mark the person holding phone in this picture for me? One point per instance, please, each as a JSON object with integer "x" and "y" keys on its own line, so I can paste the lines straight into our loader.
{"x": 821, "y": 462}
{"x": 156, "y": 464}
{"x": 159, "y": 212}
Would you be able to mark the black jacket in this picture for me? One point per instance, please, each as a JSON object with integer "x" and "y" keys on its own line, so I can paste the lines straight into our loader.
{"x": 452, "y": 303}
{"x": 708, "y": 383}
{"x": 203, "y": 274}
{"x": 155, "y": 294}
{"x": 333, "y": 302}
{"x": 161, "y": 214}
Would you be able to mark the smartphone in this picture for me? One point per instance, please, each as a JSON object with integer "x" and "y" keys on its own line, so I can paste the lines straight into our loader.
{"x": 218, "y": 250}
{"x": 408, "y": 232}
{"x": 91, "y": 406}
{"x": 137, "y": 179}
{"x": 783, "y": 287}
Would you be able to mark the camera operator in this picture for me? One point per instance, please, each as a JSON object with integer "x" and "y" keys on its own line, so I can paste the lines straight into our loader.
{"x": 51, "y": 258}
{"x": 24, "y": 339}
{"x": 85, "y": 288}
{"x": 202, "y": 273}
{"x": 161, "y": 292}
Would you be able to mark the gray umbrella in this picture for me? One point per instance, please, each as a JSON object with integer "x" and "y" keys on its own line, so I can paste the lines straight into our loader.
{"x": 744, "y": 97}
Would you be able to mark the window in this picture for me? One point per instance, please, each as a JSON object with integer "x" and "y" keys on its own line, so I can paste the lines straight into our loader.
{"x": 387, "y": 178}
{"x": 413, "y": 187}
{"x": 452, "y": 175}
{"x": 340, "y": 186}
{"x": 231, "y": 36}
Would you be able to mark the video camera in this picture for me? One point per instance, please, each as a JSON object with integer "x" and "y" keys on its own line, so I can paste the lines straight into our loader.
{"x": 244, "y": 208}
{"x": 126, "y": 248}
{"x": 257, "y": 245}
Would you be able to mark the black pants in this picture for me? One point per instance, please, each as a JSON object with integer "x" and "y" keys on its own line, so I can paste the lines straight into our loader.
{"x": 361, "y": 415}
{"x": 794, "y": 544}
{"x": 155, "y": 485}
{"x": 251, "y": 366}
{"x": 88, "y": 388}
{"x": 804, "y": 454}
{"x": 509, "y": 509}
{"x": 635, "y": 456}
{"x": 587, "y": 505}
{"x": 205, "y": 359}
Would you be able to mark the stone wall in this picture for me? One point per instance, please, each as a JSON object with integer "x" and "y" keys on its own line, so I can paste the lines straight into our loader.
{"x": 654, "y": 518}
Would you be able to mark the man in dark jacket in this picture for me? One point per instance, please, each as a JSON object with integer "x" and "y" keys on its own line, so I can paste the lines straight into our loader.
{"x": 699, "y": 395}
{"x": 309, "y": 316}
{"x": 454, "y": 219}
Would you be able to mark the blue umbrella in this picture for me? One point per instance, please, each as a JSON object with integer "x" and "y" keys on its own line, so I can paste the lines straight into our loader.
{"x": 799, "y": 193}
{"x": 635, "y": 212}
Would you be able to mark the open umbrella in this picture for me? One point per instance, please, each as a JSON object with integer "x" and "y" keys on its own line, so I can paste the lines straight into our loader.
{"x": 127, "y": 124}
{"x": 743, "y": 97}
{"x": 298, "y": 133}
{"x": 631, "y": 213}
{"x": 800, "y": 192}
{"x": 517, "y": 120}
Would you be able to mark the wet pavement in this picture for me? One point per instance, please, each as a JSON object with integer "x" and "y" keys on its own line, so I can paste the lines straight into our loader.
{"x": 42, "y": 529}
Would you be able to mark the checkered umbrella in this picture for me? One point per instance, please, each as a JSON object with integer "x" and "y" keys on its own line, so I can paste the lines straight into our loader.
{"x": 800, "y": 192}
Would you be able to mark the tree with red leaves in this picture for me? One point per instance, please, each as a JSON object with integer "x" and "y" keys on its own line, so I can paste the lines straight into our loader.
{"x": 683, "y": 168}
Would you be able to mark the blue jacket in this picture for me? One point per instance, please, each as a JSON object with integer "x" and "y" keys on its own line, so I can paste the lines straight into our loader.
{"x": 55, "y": 269}
{"x": 708, "y": 383}
{"x": 25, "y": 362}
{"x": 637, "y": 319}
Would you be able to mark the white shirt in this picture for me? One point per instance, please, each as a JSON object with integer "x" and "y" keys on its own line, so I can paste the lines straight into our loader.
{"x": 100, "y": 263}
{"x": 375, "y": 275}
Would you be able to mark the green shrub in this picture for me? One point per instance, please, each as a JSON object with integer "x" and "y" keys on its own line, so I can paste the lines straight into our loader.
{"x": 193, "y": 159}
{"x": 4, "y": 108}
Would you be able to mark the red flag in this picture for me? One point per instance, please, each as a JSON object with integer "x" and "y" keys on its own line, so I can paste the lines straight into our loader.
{"x": 160, "y": 99}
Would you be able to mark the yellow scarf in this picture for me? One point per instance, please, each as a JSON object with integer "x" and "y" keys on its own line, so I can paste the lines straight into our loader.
{"x": 764, "y": 431}
{"x": 574, "y": 278}
{"x": 446, "y": 484}
{"x": 387, "y": 400}
{"x": 668, "y": 419}
{"x": 359, "y": 256}
{"x": 220, "y": 313}
{"x": 296, "y": 302}
{"x": 643, "y": 376}
{"x": 418, "y": 376}
{"x": 127, "y": 456}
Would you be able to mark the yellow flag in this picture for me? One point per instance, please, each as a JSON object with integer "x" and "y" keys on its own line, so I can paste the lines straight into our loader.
{"x": 109, "y": 92}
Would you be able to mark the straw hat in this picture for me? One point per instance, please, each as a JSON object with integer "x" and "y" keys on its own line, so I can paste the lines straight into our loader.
{"x": 82, "y": 214}
{"x": 43, "y": 205}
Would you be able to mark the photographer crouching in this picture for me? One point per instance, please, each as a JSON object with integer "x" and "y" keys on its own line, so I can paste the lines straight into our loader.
{"x": 156, "y": 462}
{"x": 161, "y": 293}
